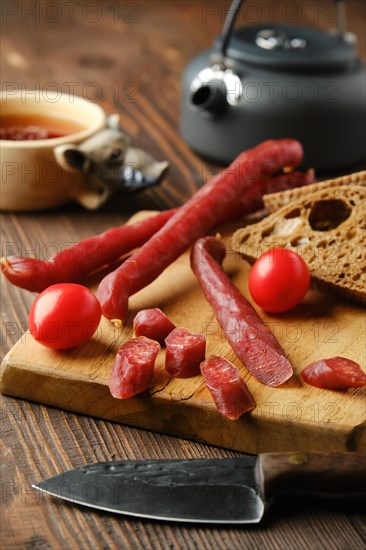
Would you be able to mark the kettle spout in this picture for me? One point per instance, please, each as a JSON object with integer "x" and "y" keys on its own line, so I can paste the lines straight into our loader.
{"x": 210, "y": 97}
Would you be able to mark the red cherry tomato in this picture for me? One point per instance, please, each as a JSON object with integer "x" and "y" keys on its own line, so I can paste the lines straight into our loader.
{"x": 279, "y": 280}
{"x": 64, "y": 316}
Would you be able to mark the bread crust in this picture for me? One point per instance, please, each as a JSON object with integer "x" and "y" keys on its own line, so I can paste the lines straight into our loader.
{"x": 275, "y": 201}
{"x": 327, "y": 228}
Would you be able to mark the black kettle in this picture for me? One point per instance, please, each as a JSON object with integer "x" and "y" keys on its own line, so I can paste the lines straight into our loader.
{"x": 269, "y": 82}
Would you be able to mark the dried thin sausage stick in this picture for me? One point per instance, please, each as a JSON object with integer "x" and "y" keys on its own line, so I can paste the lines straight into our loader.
{"x": 75, "y": 263}
{"x": 229, "y": 391}
{"x": 252, "y": 200}
{"x": 80, "y": 260}
{"x": 254, "y": 344}
{"x": 192, "y": 221}
{"x": 336, "y": 373}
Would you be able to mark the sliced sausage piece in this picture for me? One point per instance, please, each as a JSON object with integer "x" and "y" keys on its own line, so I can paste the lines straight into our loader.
{"x": 229, "y": 391}
{"x": 184, "y": 353}
{"x": 337, "y": 373}
{"x": 252, "y": 341}
{"x": 152, "y": 323}
{"x": 133, "y": 367}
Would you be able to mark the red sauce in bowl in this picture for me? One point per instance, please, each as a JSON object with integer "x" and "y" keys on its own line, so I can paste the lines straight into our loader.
{"x": 35, "y": 127}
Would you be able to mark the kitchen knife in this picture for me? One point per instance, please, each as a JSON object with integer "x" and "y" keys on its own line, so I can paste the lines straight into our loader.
{"x": 229, "y": 490}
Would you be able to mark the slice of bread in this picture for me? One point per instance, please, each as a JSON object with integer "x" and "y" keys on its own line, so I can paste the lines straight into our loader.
{"x": 326, "y": 228}
{"x": 274, "y": 201}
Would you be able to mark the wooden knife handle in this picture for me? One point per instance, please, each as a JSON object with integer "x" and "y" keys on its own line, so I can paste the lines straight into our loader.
{"x": 324, "y": 474}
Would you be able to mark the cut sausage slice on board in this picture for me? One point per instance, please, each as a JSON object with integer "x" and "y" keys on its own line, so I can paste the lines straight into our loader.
{"x": 133, "y": 367}
{"x": 336, "y": 373}
{"x": 152, "y": 323}
{"x": 184, "y": 353}
{"x": 229, "y": 391}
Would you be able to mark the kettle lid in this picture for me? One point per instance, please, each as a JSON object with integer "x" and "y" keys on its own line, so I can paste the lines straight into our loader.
{"x": 291, "y": 47}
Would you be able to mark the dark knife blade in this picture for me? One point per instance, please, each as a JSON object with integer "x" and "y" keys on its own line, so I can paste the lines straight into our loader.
{"x": 179, "y": 490}
{"x": 232, "y": 491}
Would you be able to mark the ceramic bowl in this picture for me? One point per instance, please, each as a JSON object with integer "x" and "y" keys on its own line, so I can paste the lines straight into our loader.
{"x": 32, "y": 177}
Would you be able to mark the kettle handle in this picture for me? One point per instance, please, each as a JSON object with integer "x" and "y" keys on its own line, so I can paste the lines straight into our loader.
{"x": 235, "y": 8}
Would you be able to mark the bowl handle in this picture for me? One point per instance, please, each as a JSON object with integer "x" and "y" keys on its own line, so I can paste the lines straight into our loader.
{"x": 71, "y": 159}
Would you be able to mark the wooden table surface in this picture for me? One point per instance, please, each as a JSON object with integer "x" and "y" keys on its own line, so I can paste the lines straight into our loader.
{"x": 129, "y": 57}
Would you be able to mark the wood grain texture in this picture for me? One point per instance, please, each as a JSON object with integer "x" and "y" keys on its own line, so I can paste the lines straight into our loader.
{"x": 40, "y": 441}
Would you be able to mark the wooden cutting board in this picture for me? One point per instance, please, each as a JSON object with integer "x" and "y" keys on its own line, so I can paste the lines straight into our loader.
{"x": 295, "y": 416}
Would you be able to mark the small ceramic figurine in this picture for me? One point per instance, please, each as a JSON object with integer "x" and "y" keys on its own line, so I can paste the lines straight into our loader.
{"x": 109, "y": 164}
